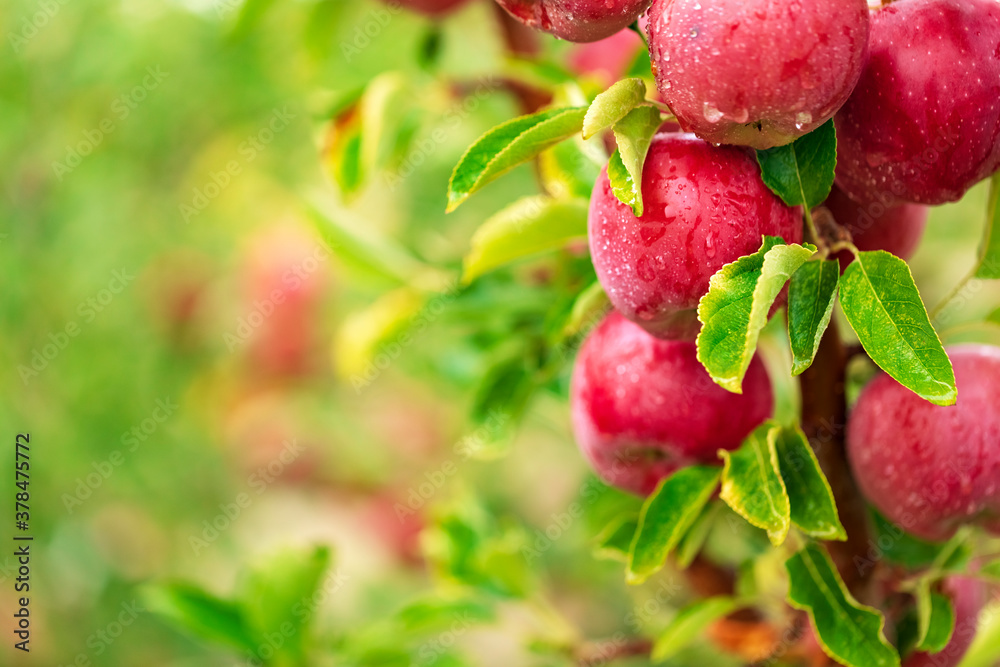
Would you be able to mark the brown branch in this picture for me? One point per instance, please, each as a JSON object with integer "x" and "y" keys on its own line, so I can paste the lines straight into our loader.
{"x": 824, "y": 420}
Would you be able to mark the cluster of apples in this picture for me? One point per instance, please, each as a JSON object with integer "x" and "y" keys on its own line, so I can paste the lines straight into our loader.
{"x": 914, "y": 91}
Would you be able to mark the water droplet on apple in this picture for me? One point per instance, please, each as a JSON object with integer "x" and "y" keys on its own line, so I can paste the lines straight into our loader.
{"x": 712, "y": 114}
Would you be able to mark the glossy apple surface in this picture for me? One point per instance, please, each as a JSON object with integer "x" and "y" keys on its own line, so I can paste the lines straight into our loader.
{"x": 756, "y": 73}
{"x": 704, "y": 207}
{"x": 931, "y": 469}
{"x": 923, "y": 123}
{"x": 644, "y": 407}
{"x": 576, "y": 20}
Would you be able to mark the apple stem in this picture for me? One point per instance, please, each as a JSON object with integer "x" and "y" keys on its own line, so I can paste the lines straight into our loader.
{"x": 635, "y": 28}
{"x": 824, "y": 421}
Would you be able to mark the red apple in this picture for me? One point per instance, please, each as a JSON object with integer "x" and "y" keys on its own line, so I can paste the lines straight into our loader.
{"x": 704, "y": 207}
{"x": 924, "y": 121}
{"x": 576, "y": 20}
{"x": 644, "y": 407}
{"x": 755, "y": 72}
{"x": 927, "y": 468}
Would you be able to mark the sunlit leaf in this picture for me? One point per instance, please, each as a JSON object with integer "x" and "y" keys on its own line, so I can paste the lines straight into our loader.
{"x": 527, "y": 227}
{"x": 752, "y": 483}
{"x": 883, "y": 306}
{"x": 634, "y": 134}
{"x": 813, "y": 508}
{"x": 613, "y": 104}
{"x": 737, "y": 305}
{"x": 849, "y": 632}
{"x": 508, "y": 145}
{"x": 666, "y": 516}
{"x": 690, "y": 623}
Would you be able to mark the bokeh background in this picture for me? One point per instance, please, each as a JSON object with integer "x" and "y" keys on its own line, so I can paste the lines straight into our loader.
{"x": 232, "y": 325}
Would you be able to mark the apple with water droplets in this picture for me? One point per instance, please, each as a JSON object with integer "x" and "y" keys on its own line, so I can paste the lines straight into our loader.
{"x": 756, "y": 73}
{"x": 891, "y": 226}
{"x": 927, "y": 468}
{"x": 923, "y": 123}
{"x": 576, "y": 20}
{"x": 644, "y": 407}
{"x": 704, "y": 207}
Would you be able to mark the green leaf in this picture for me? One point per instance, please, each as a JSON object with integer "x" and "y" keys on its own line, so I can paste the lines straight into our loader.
{"x": 202, "y": 614}
{"x": 613, "y": 104}
{"x": 588, "y": 310}
{"x": 634, "y": 134}
{"x": 570, "y": 168}
{"x": 802, "y": 171}
{"x": 436, "y": 613}
{"x": 381, "y": 111}
{"x": 849, "y": 632}
{"x": 752, "y": 484}
{"x": 812, "y": 294}
{"x": 989, "y": 251}
{"x": 614, "y": 541}
{"x": 695, "y": 538}
{"x": 935, "y": 620}
{"x": 666, "y": 516}
{"x": 527, "y": 227}
{"x": 508, "y": 145}
{"x": 690, "y": 622}
{"x": 810, "y": 497}
{"x": 737, "y": 305}
{"x": 883, "y": 306}
{"x": 991, "y": 570}
{"x": 898, "y": 546}
{"x": 279, "y": 590}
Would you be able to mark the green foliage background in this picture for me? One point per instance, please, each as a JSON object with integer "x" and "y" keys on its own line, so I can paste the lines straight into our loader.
{"x": 484, "y": 569}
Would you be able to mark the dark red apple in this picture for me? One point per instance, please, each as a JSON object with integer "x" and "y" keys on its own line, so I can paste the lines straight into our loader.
{"x": 576, "y": 20}
{"x": 875, "y": 226}
{"x": 927, "y": 468}
{"x": 644, "y": 407}
{"x": 756, "y": 73}
{"x": 704, "y": 206}
{"x": 923, "y": 123}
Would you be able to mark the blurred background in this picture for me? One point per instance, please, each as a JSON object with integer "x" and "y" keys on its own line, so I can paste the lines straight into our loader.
{"x": 258, "y": 396}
